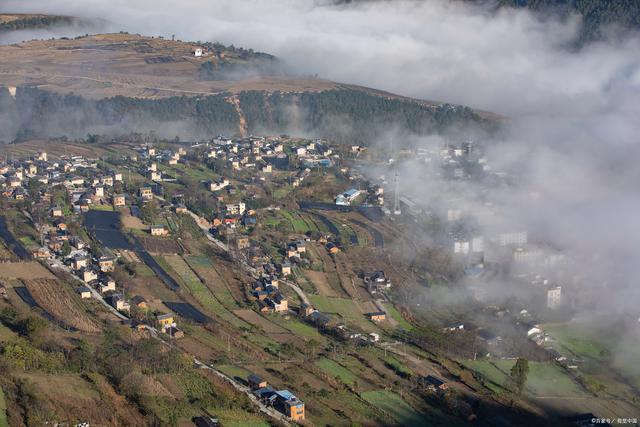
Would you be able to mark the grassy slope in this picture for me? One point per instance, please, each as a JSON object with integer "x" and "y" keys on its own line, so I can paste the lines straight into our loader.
{"x": 397, "y": 408}
{"x": 545, "y": 379}
{"x": 3, "y": 411}
{"x": 336, "y": 370}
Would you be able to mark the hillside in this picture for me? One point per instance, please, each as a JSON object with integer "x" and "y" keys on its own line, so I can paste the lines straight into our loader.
{"x": 137, "y": 83}
{"x": 597, "y": 15}
{"x": 23, "y": 21}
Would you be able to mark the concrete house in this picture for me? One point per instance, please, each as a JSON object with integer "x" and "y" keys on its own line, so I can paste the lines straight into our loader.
{"x": 106, "y": 263}
{"x": 119, "y": 200}
{"x": 80, "y": 261}
{"x": 146, "y": 193}
{"x": 164, "y": 320}
{"x": 84, "y": 292}
{"x": 89, "y": 275}
{"x": 376, "y": 316}
{"x": 56, "y": 211}
{"x": 139, "y": 301}
{"x": 107, "y": 285}
{"x": 159, "y": 230}
{"x": 433, "y": 383}
{"x": 256, "y": 382}
{"x": 285, "y": 268}
{"x": 119, "y": 303}
{"x": 290, "y": 405}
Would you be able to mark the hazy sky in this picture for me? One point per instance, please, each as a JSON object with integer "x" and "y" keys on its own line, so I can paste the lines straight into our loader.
{"x": 450, "y": 51}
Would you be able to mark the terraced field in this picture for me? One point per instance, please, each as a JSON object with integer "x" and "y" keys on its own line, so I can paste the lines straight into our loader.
{"x": 206, "y": 271}
{"x": 336, "y": 370}
{"x": 345, "y": 308}
{"x": 397, "y": 408}
{"x": 545, "y": 379}
{"x": 62, "y": 303}
{"x": 200, "y": 292}
{"x": 24, "y": 270}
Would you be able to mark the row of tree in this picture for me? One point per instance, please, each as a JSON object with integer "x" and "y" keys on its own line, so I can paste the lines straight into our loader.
{"x": 348, "y": 115}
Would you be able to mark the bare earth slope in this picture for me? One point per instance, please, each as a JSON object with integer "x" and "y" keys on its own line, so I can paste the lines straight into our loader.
{"x": 107, "y": 65}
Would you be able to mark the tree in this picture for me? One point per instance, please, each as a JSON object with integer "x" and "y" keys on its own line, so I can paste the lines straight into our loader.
{"x": 519, "y": 373}
{"x": 66, "y": 249}
{"x": 149, "y": 212}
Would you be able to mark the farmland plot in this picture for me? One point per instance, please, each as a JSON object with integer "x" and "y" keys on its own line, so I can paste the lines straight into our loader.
{"x": 24, "y": 270}
{"x": 62, "y": 303}
{"x": 199, "y": 291}
{"x": 207, "y": 272}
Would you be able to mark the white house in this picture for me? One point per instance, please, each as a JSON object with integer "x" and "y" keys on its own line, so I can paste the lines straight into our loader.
{"x": 554, "y": 296}
{"x": 346, "y": 198}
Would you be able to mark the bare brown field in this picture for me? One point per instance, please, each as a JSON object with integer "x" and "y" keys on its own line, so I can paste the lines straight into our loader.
{"x": 331, "y": 272}
{"x": 24, "y": 270}
{"x": 108, "y": 65}
{"x": 347, "y": 278}
{"x": 320, "y": 281}
{"x": 130, "y": 221}
{"x": 5, "y": 254}
{"x": 161, "y": 246}
{"x": 55, "y": 149}
{"x": 130, "y": 256}
{"x": 61, "y": 302}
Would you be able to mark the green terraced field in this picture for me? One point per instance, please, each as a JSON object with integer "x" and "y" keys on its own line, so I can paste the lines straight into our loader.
{"x": 397, "y": 408}
{"x": 545, "y": 379}
{"x": 296, "y": 326}
{"x": 234, "y": 371}
{"x": 336, "y": 370}
{"x": 200, "y": 292}
{"x": 397, "y": 316}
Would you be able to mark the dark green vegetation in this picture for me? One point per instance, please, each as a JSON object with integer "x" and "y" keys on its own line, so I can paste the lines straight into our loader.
{"x": 26, "y": 22}
{"x": 240, "y": 70}
{"x": 245, "y": 63}
{"x": 519, "y": 373}
{"x": 344, "y": 114}
{"x": 596, "y": 14}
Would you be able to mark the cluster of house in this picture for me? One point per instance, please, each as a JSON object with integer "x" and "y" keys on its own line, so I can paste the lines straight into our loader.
{"x": 268, "y": 153}
{"x": 461, "y": 161}
{"x": 92, "y": 269}
{"x": 152, "y": 155}
{"x": 232, "y": 215}
{"x": 282, "y": 400}
{"x": 268, "y": 296}
{"x": 376, "y": 282}
{"x": 536, "y": 334}
{"x": 248, "y": 153}
{"x": 85, "y": 183}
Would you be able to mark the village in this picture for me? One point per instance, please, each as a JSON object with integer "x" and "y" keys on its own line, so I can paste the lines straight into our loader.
{"x": 292, "y": 237}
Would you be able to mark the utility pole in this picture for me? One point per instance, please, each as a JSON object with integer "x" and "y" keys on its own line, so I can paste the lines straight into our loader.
{"x": 396, "y": 195}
